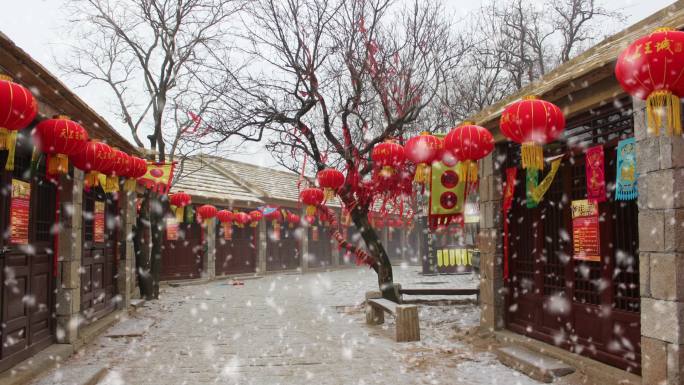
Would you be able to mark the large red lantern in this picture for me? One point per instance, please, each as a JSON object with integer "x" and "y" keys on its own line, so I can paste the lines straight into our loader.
{"x": 255, "y": 216}
{"x": 389, "y": 156}
{"x": 116, "y": 167}
{"x": 312, "y": 198}
{"x": 206, "y": 212}
{"x": 59, "y": 137}
{"x": 241, "y": 218}
{"x": 422, "y": 150}
{"x": 532, "y": 123}
{"x": 225, "y": 216}
{"x": 330, "y": 180}
{"x": 469, "y": 143}
{"x": 293, "y": 219}
{"x": 179, "y": 200}
{"x": 651, "y": 68}
{"x": 18, "y": 108}
{"x": 91, "y": 158}
{"x": 137, "y": 169}
{"x": 273, "y": 215}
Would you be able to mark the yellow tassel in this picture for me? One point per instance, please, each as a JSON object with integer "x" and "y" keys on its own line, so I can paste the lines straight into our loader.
{"x": 310, "y": 210}
{"x": 387, "y": 171}
{"x": 129, "y": 185}
{"x": 92, "y": 179}
{"x": 11, "y": 143}
{"x": 180, "y": 214}
{"x": 472, "y": 171}
{"x": 422, "y": 173}
{"x": 661, "y": 104}
{"x": 112, "y": 184}
{"x": 329, "y": 193}
{"x": 532, "y": 156}
{"x": 3, "y": 138}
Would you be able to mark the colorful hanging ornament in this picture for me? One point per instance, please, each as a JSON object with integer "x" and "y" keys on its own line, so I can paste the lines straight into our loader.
{"x": 535, "y": 190}
{"x": 58, "y": 138}
{"x": 91, "y": 158}
{"x": 136, "y": 169}
{"x": 596, "y": 178}
{"x": 254, "y": 217}
{"x": 388, "y": 156}
{"x": 627, "y": 176}
{"x": 241, "y": 218}
{"x": 293, "y": 219}
{"x": 469, "y": 143}
{"x": 178, "y": 202}
{"x": 532, "y": 123}
{"x": 330, "y": 180}
{"x": 312, "y": 197}
{"x": 650, "y": 68}
{"x": 422, "y": 150}
{"x": 18, "y": 108}
{"x": 206, "y": 212}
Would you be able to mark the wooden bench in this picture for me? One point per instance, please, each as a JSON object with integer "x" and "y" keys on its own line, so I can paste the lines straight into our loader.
{"x": 440, "y": 291}
{"x": 407, "y": 325}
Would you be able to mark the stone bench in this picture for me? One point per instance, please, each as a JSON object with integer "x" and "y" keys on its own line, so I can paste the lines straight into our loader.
{"x": 440, "y": 292}
{"x": 407, "y": 325}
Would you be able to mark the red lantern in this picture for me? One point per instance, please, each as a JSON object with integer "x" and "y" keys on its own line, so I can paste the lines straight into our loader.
{"x": 179, "y": 200}
{"x": 255, "y": 216}
{"x": 241, "y": 218}
{"x": 422, "y": 150}
{"x": 116, "y": 167}
{"x": 18, "y": 108}
{"x": 206, "y": 212}
{"x": 532, "y": 122}
{"x": 651, "y": 68}
{"x": 91, "y": 158}
{"x": 312, "y": 198}
{"x": 389, "y": 156}
{"x": 137, "y": 169}
{"x": 310, "y": 219}
{"x": 293, "y": 219}
{"x": 225, "y": 216}
{"x": 59, "y": 138}
{"x": 330, "y": 180}
{"x": 469, "y": 143}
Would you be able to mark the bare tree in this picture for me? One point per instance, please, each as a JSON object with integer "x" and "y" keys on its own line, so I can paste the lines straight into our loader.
{"x": 150, "y": 53}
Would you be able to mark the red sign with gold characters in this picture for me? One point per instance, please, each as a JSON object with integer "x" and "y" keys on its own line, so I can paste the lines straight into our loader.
{"x": 227, "y": 231}
{"x": 19, "y": 212}
{"x": 171, "y": 229}
{"x": 586, "y": 239}
{"x": 99, "y": 222}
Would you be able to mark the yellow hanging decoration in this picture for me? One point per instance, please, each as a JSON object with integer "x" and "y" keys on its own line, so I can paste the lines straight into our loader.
{"x": 180, "y": 213}
{"x": 92, "y": 179}
{"x": 663, "y": 104}
{"x": 11, "y": 145}
{"x": 468, "y": 171}
{"x": 540, "y": 190}
{"x": 112, "y": 184}
{"x": 422, "y": 175}
{"x": 532, "y": 156}
{"x": 130, "y": 184}
{"x": 58, "y": 164}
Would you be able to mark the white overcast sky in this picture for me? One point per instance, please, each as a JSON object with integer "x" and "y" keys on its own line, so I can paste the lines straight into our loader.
{"x": 35, "y": 26}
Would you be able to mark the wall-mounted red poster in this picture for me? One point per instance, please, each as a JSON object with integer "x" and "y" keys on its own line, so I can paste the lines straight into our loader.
{"x": 227, "y": 231}
{"x": 19, "y": 212}
{"x": 586, "y": 239}
{"x": 99, "y": 222}
{"x": 171, "y": 229}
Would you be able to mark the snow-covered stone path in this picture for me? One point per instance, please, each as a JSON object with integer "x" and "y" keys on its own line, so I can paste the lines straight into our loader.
{"x": 293, "y": 329}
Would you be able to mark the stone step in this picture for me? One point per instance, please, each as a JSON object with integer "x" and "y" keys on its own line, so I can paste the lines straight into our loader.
{"x": 133, "y": 327}
{"x": 537, "y": 366}
{"x": 75, "y": 375}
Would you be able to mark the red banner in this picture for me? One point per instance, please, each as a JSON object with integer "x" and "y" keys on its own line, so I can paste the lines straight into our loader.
{"x": 596, "y": 177}
{"x": 158, "y": 177}
{"x": 509, "y": 193}
{"x": 99, "y": 222}
{"x": 314, "y": 233}
{"x": 171, "y": 229}
{"x": 586, "y": 239}
{"x": 19, "y": 212}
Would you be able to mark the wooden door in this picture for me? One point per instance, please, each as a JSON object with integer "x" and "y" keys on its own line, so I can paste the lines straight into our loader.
{"x": 182, "y": 257}
{"x": 591, "y": 308}
{"x": 282, "y": 250}
{"x": 99, "y": 255}
{"x": 27, "y": 269}
{"x": 320, "y": 246}
{"x": 237, "y": 255}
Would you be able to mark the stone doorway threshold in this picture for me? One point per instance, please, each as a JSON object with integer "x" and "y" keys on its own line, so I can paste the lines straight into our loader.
{"x": 597, "y": 372}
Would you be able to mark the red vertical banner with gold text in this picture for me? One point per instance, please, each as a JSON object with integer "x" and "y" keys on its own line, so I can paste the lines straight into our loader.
{"x": 586, "y": 239}
{"x": 228, "y": 231}
{"x": 19, "y": 212}
{"x": 171, "y": 229}
{"x": 596, "y": 179}
{"x": 99, "y": 222}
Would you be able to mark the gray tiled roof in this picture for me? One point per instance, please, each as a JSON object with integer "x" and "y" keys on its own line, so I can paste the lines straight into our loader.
{"x": 202, "y": 180}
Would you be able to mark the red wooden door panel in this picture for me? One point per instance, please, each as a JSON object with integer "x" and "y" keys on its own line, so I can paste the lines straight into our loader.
{"x": 237, "y": 255}
{"x": 182, "y": 258}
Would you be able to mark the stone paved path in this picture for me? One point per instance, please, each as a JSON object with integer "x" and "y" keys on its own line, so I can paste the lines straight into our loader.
{"x": 292, "y": 329}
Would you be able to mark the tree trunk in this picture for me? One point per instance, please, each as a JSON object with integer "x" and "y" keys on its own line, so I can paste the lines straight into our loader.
{"x": 156, "y": 231}
{"x": 383, "y": 265}
{"x": 143, "y": 258}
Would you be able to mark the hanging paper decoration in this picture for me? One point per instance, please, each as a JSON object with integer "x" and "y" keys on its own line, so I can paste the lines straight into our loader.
{"x": 330, "y": 180}
{"x": 137, "y": 168}
{"x": 422, "y": 150}
{"x": 158, "y": 177}
{"x": 91, "y": 158}
{"x": 178, "y": 202}
{"x": 509, "y": 193}
{"x": 388, "y": 156}
{"x": 650, "y": 68}
{"x": 255, "y": 216}
{"x": 58, "y": 138}
{"x": 115, "y": 167}
{"x": 469, "y": 143}
{"x": 312, "y": 198}
{"x": 532, "y": 123}
{"x": 18, "y": 108}
{"x": 99, "y": 221}
{"x": 596, "y": 179}
{"x": 626, "y": 181}
{"x": 241, "y": 218}
{"x": 536, "y": 191}
{"x": 447, "y": 195}
{"x": 586, "y": 239}
{"x": 206, "y": 212}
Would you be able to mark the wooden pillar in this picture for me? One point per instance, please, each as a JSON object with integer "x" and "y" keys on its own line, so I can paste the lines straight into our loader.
{"x": 261, "y": 248}
{"x": 209, "y": 257}
{"x": 126, "y": 278}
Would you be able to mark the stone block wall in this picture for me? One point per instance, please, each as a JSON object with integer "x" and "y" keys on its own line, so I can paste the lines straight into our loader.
{"x": 660, "y": 163}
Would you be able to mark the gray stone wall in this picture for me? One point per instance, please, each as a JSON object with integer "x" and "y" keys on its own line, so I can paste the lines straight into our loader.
{"x": 490, "y": 243}
{"x": 660, "y": 163}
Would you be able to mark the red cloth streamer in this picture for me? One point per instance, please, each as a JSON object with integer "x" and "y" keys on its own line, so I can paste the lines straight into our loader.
{"x": 596, "y": 177}
{"x": 509, "y": 193}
